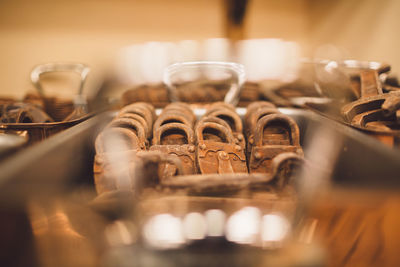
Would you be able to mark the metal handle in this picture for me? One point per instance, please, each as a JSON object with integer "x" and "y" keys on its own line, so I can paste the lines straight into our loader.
{"x": 237, "y": 71}
{"x": 79, "y": 68}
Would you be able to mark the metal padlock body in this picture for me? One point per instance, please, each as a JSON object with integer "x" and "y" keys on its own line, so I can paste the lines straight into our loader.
{"x": 185, "y": 152}
{"x": 135, "y": 126}
{"x": 262, "y": 155}
{"x": 235, "y": 123}
{"x": 219, "y": 157}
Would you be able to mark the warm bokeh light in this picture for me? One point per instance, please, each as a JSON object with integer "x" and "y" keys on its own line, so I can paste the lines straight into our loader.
{"x": 194, "y": 226}
{"x": 164, "y": 231}
{"x": 274, "y": 229}
{"x": 215, "y": 220}
{"x": 243, "y": 226}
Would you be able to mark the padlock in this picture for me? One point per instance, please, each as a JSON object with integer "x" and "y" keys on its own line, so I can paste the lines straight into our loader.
{"x": 235, "y": 123}
{"x": 111, "y": 141}
{"x": 251, "y": 124}
{"x": 217, "y": 151}
{"x": 274, "y": 134}
{"x": 176, "y": 139}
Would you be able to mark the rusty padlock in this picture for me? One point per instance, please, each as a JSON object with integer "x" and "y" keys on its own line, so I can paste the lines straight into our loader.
{"x": 110, "y": 141}
{"x": 176, "y": 139}
{"x": 274, "y": 134}
{"x": 217, "y": 151}
{"x": 251, "y": 124}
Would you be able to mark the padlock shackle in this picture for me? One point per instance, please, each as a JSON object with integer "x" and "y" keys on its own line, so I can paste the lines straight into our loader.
{"x": 237, "y": 121}
{"x": 215, "y": 126}
{"x": 130, "y": 124}
{"x": 166, "y": 118}
{"x": 114, "y": 132}
{"x": 173, "y": 126}
{"x": 253, "y": 118}
{"x": 139, "y": 110}
{"x": 139, "y": 119}
{"x": 181, "y": 107}
{"x": 215, "y": 120}
{"x": 288, "y": 122}
{"x": 219, "y": 105}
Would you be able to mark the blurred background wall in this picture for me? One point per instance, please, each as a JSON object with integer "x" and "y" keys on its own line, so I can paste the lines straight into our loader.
{"x": 92, "y": 31}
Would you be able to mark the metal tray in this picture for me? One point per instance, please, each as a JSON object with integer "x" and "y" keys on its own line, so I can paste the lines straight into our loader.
{"x": 64, "y": 161}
